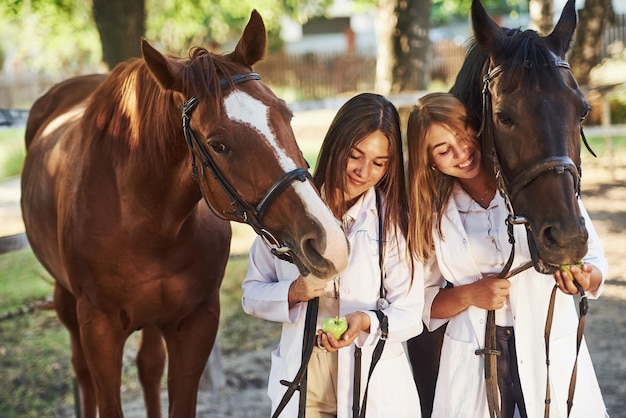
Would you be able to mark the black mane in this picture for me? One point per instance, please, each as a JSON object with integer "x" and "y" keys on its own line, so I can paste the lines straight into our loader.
{"x": 524, "y": 57}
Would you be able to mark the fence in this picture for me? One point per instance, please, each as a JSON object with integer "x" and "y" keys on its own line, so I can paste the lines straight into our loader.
{"x": 614, "y": 39}
{"x": 20, "y": 90}
{"x": 304, "y": 76}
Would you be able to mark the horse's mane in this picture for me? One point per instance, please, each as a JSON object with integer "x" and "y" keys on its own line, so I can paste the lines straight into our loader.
{"x": 142, "y": 121}
{"x": 524, "y": 58}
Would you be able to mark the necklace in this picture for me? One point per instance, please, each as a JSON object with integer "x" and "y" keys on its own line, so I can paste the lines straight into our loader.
{"x": 482, "y": 199}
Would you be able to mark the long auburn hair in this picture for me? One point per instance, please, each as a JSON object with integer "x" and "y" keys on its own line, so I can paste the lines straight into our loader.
{"x": 358, "y": 118}
{"x": 429, "y": 188}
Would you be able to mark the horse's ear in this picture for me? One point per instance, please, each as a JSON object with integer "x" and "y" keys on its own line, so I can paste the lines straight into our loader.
{"x": 560, "y": 39}
{"x": 251, "y": 47}
{"x": 164, "y": 71}
{"x": 487, "y": 33}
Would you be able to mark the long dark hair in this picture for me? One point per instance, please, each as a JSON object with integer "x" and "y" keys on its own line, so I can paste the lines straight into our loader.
{"x": 359, "y": 117}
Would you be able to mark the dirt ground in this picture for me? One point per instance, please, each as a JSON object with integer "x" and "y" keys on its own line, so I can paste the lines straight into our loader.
{"x": 604, "y": 195}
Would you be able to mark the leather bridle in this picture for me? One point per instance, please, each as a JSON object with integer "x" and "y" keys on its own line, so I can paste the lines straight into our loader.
{"x": 509, "y": 189}
{"x": 243, "y": 211}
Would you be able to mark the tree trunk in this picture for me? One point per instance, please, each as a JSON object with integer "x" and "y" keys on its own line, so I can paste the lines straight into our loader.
{"x": 541, "y": 15}
{"x": 402, "y": 28}
{"x": 585, "y": 53}
{"x": 121, "y": 25}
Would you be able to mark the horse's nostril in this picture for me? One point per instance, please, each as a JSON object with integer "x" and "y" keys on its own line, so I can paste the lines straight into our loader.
{"x": 551, "y": 235}
{"x": 314, "y": 247}
{"x": 559, "y": 242}
{"x": 324, "y": 257}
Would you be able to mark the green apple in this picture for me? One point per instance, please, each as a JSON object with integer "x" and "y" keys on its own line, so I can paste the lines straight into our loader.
{"x": 566, "y": 267}
{"x": 336, "y": 326}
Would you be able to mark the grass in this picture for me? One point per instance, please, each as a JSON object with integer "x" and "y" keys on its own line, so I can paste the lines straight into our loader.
{"x": 36, "y": 377}
{"x": 21, "y": 267}
{"x": 34, "y": 355}
{"x": 600, "y": 147}
{"x": 11, "y": 151}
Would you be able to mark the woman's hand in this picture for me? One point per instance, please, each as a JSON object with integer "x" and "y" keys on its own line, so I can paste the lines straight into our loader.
{"x": 357, "y": 321}
{"x": 488, "y": 293}
{"x": 587, "y": 276}
{"x": 306, "y": 288}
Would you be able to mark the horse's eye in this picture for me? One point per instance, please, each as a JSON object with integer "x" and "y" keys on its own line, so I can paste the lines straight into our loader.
{"x": 504, "y": 119}
{"x": 585, "y": 114}
{"x": 218, "y": 147}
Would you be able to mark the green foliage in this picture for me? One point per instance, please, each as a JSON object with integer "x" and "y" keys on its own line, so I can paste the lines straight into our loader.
{"x": 178, "y": 24}
{"x": 59, "y": 37}
{"x": 302, "y": 10}
{"x": 446, "y": 11}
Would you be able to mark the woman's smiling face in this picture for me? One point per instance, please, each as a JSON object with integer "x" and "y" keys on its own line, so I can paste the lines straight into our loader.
{"x": 452, "y": 155}
{"x": 367, "y": 164}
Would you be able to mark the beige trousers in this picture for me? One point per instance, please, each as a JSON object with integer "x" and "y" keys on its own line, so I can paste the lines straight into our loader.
{"x": 321, "y": 387}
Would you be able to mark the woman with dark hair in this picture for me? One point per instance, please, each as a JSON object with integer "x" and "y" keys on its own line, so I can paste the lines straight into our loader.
{"x": 457, "y": 228}
{"x": 360, "y": 175}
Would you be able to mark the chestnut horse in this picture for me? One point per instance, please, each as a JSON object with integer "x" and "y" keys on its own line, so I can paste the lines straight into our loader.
{"x": 112, "y": 201}
{"x": 532, "y": 112}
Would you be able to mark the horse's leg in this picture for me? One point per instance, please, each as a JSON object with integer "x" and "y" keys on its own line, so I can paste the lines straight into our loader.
{"x": 150, "y": 364}
{"x": 424, "y": 352}
{"x": 188, "y": 349}
{"x": 65, "y": 306}
{"x": 103, "y": 345}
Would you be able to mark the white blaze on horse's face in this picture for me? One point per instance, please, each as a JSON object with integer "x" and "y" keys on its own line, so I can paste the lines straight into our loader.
{"x": 242, "y": 107}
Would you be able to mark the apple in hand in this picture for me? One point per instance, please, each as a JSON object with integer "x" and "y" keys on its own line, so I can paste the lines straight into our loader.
{"x": 566, "y": 267}
{"x": 336, "y": 326}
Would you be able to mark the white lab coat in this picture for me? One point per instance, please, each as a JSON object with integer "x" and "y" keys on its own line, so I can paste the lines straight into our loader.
{"x": 460, "y": 390}
{"x": 392, "y": 391}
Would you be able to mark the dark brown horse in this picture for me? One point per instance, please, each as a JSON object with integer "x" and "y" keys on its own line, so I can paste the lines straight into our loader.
{"x": 112, "y": 200}
{"x": 532, "y": 110}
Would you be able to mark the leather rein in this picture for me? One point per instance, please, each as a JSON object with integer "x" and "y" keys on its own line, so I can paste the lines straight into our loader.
{"x": 242, "y": 210}
{"x": 509, "y": 189}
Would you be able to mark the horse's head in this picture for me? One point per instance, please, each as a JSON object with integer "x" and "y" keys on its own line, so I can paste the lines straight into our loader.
{"x": 532, "y": 115}
{"x": 245, "y": 157}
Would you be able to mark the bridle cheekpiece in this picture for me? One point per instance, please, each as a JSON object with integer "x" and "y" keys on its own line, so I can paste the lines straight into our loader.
{"x": 242, "y": 210}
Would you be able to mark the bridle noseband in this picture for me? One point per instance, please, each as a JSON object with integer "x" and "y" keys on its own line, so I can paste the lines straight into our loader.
{"x": 242, "y": 210}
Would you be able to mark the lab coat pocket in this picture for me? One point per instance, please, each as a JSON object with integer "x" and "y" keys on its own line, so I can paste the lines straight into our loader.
{"x": 392, "y": 391}
{"x": 460, "y": 379}
{"x": 275, "y": 389}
